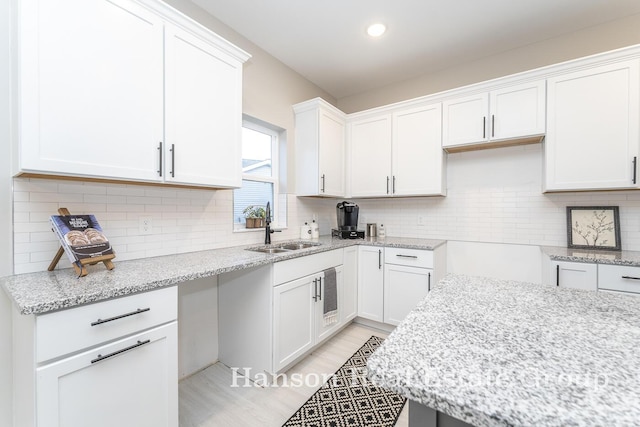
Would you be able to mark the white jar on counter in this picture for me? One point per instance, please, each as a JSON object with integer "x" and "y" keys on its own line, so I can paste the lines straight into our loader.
{"x": 382, "y": 232}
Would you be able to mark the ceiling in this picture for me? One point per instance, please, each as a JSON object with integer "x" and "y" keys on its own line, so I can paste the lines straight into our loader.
{"x": 326, "y": 42}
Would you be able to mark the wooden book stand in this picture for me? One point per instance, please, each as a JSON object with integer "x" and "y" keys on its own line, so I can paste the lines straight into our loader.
{"x": 80, "y": 266}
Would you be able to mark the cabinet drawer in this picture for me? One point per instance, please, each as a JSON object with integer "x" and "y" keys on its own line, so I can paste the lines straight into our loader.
{"x": 409, "y": 257}
{"x": 619, "y": 278}
{"x": 292, "y": 269}
{"x": 78, "y": 328}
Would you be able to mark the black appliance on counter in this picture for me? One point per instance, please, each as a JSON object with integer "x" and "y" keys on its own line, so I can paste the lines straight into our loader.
{"x": 347, "y": 213}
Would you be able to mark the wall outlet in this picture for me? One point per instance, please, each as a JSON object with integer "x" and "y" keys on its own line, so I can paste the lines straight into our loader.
{"x": 145, "y": 225}
{"x": 421, "y": 221}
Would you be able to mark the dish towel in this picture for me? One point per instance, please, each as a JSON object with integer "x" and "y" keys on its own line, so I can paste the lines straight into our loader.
{"x": 330, "y": 297}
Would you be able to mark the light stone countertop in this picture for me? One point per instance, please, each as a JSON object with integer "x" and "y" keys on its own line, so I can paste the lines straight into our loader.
{"x": 503, "y": 353}
{"x": 630, "y": 258}
{"x": 37, "y": 293}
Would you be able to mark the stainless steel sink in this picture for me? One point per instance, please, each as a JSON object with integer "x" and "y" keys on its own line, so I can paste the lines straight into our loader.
{"x": 283, "y": 247}
{"x": 269, "y": 250}
{"x": 297, "y": 246}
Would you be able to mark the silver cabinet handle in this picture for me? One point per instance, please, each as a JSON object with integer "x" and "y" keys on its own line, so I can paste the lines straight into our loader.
{"x": 160, "y": 155}
{"x": 173, "y": 160}
{"x": 111, "y": 319}
{"x": 429, "y": 283}
{"x": 484, "y": 126}
{"x": 635, "y": 169}
{"x": 558, "y": 275}
{"x": 320, "y": 289}
{"x": 394, "y": 185}
{"x": 322, "y": 189}
{"x": 631, "y": 277}
{"x": 493, "y": 125}
{"x": 387, "y": 185}
{"x": 407, "y": 256}
{"x": 379, "y": 259}
{"x": 315, "y": 289}
{"x": 115, "y": 353}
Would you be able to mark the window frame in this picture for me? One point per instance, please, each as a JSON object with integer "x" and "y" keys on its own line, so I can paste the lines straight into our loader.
{"x": 274, "y": 179}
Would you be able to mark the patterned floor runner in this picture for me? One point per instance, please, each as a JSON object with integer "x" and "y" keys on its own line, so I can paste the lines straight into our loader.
{"x": 349, "y": 399}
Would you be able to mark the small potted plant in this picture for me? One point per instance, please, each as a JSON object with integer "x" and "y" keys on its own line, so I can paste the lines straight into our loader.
{"x": 255, "y": 216}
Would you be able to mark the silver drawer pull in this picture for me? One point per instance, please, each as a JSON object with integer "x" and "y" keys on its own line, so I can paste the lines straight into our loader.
{"x": 631, "y": 277}
{"x": 133, "y": 313}
{"x": 115, "y": 353}
{"x": 407, "y": 256}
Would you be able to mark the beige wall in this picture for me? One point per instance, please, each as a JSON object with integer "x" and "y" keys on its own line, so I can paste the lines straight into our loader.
{"x": 270, "y": 88}
{"x": 609, "y": 36}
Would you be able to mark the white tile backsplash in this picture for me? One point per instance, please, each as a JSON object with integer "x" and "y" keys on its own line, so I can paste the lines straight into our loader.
{"x": 184, "y": 220}
{"x": 493, "y": 196}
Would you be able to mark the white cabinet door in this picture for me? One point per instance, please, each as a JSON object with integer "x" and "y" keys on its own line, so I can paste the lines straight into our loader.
{"x": 370, "y": 282}
{"x": 131, "y": 382}
{"x": 320, "y": 149}
{"x": 518, "y": 111}
{"x": 370, "y": 157}
{"x": 349, "y": 308}
{"x": 331, "y": 135}
{"x": 593, "y": 122}
{"x": 465, "y": 120}
{"x": 417, "y": 152}
{"x": 293, "y": 320}
{"x": 90, "y": 91}
{"x": 575, "y": 275}
{"x": 323, "y": 330}
{"x": 404, "y": 288}
{"x": 203, "y": 112}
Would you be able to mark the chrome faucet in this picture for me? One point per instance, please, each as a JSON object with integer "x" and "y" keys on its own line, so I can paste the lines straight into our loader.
{"x": 267, "y": 227}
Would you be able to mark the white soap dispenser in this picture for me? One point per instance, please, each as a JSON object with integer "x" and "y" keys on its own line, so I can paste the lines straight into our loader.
{"x": 315, "y": 230}
{"x": 305, "y": 232}
{"x": 382, "y": 232}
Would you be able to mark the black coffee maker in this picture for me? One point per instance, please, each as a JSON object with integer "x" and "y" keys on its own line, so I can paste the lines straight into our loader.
{"x": 347, "y": 214}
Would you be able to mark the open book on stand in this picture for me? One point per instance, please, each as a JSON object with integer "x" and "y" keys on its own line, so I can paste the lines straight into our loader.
{"x": 81, "y": 237}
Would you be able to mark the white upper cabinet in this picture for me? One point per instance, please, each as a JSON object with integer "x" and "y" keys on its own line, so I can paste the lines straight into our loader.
{"x": 417, "y": 157}
{"x": 90, "y": 88}
{"x": 320, "y": 149}
{"x": 512, "y": 112}
{"x": 93, "y": 95}
{"x": 593, "y": 118}
{"x": 371, "y": 156}
{"x": 203, "y": 112}
{"x": 398, "y": 154}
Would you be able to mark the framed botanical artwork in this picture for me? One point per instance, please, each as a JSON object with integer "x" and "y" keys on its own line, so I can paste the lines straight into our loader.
{"x": 593, "y": 227}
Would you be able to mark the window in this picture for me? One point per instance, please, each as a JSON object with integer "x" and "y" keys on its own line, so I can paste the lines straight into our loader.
{"x": 260, "y": 182}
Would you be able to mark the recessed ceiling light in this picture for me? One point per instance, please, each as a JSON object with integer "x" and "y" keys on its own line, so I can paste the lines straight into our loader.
{"x": 376, "y": 30}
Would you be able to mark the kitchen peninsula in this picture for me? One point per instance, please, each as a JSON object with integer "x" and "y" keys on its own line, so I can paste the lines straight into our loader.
{"x": 500, "y": 353}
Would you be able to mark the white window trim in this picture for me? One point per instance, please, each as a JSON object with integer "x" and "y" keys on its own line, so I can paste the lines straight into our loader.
{"x": 273, "y": 179}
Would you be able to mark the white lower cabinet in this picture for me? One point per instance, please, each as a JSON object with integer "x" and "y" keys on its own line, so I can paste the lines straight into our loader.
{"x": 349, "y": 309}
{"x": 298, "y": 317}
{"x": 392, "y": 281}
{"x": 620, "y": 278}
{"x": 271, "y": 316}
{"x": 404, "y": 287}
{"x": 371, "y": 282}
{"x": 132, "y": 382}
{"x": 576, "y": 275}
{"x": 111, "y": 363}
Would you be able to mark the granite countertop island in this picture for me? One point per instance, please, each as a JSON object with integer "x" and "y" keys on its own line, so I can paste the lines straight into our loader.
{"x": 502, "y": 353}
{"x": 37, "y": 293}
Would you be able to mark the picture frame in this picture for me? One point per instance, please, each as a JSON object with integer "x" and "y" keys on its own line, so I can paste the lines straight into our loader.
{"x": 593, "y": 227}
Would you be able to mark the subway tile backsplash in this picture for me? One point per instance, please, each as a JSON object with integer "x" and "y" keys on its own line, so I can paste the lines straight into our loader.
{"x": 183, "y": 220}
{"x": 493, "y": 196}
